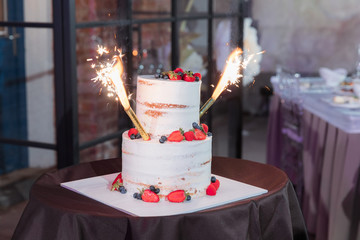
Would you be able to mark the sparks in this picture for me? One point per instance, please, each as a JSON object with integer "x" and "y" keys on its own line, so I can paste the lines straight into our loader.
{"x": 101, "y": 50}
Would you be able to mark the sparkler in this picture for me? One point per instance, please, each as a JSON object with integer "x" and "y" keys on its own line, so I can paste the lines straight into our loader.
{"x": 109, "y": 75}
{"x": 230, "y": 75}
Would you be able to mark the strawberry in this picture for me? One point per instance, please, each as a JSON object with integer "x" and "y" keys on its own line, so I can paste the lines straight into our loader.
{"x": 189, "y": 136}
{"x": 132, "y": 131}
{"x": 188, "y": 78}
{"x": 117, "y": 182}
{"x": 178, "y": 70}
{"x": 149, "y": 196}
{"x": 177, "y": 196}
{"x": 216, "y": 184}
{"x": 173, "y": 75}
{"x": 197, "y": 75}
{"x": 205, "y": 128}
{"x": 199, "y": 135}
{"x": 211, "y": 190}
{"x": 176, "y": 136}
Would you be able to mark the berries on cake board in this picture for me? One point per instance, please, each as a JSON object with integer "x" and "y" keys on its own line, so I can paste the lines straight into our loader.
{"x": 149, "y": 196}
{"x": 122, "y": 189}
{"x": 117, "y": 183}
{"x": 213, "y": 187}
{"x": 178, "y": 196}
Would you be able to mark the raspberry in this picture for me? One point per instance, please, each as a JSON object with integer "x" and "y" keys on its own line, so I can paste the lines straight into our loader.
{"x": 199, "y": 135}
{"x": 211, "y": 190}
{"x": 178, "y": 70}
{"x": 132, "y": 131}
{"x": 175, "y": 136}
{"x": 197, "y": 75}
{"x": 216, "y": 184}
{"x": 177, "y": 196}
{"x": 149, "y": 196}
{"x": 189, "y": 136}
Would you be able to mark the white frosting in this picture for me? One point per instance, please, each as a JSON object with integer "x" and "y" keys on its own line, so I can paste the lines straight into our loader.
{"x": 169, "y": 166}
{"x": 163, "y": 106}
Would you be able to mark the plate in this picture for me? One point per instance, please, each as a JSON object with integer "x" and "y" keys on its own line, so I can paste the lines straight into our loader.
{"x": 343, "y": 102}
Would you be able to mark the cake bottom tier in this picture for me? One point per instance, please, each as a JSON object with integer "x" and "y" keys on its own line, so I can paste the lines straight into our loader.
{"x": 169, "y": 166}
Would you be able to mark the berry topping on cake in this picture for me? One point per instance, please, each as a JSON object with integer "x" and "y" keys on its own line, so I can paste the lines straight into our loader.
{"x": 195, "y": 125}
{"x": 188, "y": 198}
{"x": 211, "y": 190}
{"x": 189, "y": 136}
{"x": 138, "y": 136}
{"x": 187, "y": 78}
{"x": 122, "y": 189}
{"x": 213, "y": 179}
{"x": 177, "y": 70}
{"x": 199, "y": 135}
{"x": 117, "y": 182}
{"x": 197, "y": 75}
{"x": 176, "y": 136}
{"x": 157, "y": 190}
{"x": 137, "y": 196}
{"x": 209, "y": 134}
{"x": 173, "y": 75}
{"x": 177, "y": 196}
{"x": 163, "y": 139}
{"x": 152, "y": 188}
{"x": 149, "y": 196}
{"x": 132, "y": 131}
{"x": 205, "y": 128}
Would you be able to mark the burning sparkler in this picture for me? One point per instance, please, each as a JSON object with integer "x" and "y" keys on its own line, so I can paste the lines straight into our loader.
{"x": 231, "y": 75}
{"x": 109, "y": 75}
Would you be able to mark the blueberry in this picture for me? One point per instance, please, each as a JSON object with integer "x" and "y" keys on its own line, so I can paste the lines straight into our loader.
{"x": 152, "y": 188}
{"x": 188, "y": 198}
{"x": 166, "y": 77}
{"x": 132, "y": 136}
{"x": 135, "y": 195}
{"x": 161, "y": 140}
{"x": 209, "y": 134}
{"x": 180, "y": 73}
{"x": 164, "y": 138}
{"x": 213, "y": 179}
{"x": 139, "y": 196}
{"x": 157, "y": 75}
{"x": 196, "y": 125}
{"x": 157, "y": 190}
{"x": 138, "y": 136}
{"x": 197, "y": 79}
{"x": 122, "y": 189}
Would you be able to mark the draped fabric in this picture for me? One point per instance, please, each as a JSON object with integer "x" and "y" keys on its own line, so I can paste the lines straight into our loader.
{"x": 54, "y": 212}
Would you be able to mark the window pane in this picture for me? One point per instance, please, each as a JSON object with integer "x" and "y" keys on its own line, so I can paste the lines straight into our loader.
{"x": 226, "y": 6}
{"x": 191, "y": 7}
{"x": 145, "y": 9}
{"x": 99, "y": 10}
{"x": 152, "y": 48}
{"x": 106, "y": 150}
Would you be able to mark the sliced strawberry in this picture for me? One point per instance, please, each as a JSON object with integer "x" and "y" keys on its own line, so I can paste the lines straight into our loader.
{"x": 178, "y": 70}
{"x": 199, "y": 135}
{"x": 132, "y": 131}
{"x": 176, "y": 136}
{"x": 189, "y": 136}
{"x": 216, "y": 184}
{"x": 197, "y": 75}
{"x": 205, "y": 128}
{"x": 177, "y": 196}
{"x": 211, "y": 190}
{"x": 187, "y": 78}
{"x": 149, "y": 196}
{"x": 118, "y": 177}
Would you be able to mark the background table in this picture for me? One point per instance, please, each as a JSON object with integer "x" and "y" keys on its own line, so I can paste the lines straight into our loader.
{"x": 330, "y": 160}
{"x": 54, "y": 212}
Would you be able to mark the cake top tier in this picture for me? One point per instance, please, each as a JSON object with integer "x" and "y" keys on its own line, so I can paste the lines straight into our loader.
{"x": 164, "y": 105}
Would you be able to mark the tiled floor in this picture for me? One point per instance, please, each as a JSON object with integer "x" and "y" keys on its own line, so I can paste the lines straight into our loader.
{"x": 14, "y": 188}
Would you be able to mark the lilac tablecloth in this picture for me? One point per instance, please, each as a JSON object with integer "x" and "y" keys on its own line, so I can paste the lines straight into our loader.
{"x": 331, "y": 163}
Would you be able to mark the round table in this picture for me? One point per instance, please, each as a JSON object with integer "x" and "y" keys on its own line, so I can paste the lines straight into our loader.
{"x": 54, "y": 212}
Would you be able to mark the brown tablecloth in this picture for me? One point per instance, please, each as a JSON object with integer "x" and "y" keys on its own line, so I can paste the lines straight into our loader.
{"x": 54, "y": 212}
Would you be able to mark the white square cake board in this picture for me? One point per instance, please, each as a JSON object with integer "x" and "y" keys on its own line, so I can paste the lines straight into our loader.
{"x": 98, "y": 188}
